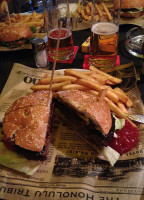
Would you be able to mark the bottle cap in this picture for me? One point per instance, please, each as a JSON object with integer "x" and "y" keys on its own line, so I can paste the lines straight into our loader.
{"x": 38, "y": 44}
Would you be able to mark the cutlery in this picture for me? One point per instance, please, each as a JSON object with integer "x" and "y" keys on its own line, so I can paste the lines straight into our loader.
{"x": 136, "y": 117}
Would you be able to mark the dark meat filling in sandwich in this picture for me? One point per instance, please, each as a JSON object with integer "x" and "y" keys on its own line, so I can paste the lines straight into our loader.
{"x": 132, "y": 9}
{"x": 27, "y": 125}
{"x": 90, "y": 116}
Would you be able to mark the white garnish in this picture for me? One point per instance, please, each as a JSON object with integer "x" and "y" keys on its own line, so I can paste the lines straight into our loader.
{"x": 110, "y": 155}
{"x": 115, "y": 135}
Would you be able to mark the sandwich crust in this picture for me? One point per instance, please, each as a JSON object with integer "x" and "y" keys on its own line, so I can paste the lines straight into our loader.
{"x": 26, "y": 121}
{"x": 15, "y": 32}
{"x": 32, "y": 99}
{"x": 97, "y": 111}
{"x": 132, "y": 9}
{"x": 128, "y": 4}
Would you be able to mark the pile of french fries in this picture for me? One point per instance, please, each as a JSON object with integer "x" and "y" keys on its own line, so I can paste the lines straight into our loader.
{"x": 101, "y": 11}
{"x": 93, "y": 81}
{"x": 31, "y": 19}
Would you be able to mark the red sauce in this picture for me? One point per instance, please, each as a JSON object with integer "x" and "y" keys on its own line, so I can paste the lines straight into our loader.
{"x": 126, "y": 140}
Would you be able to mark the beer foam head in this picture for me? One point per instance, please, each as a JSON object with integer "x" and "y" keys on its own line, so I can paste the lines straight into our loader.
{"x": 104, "y": 28}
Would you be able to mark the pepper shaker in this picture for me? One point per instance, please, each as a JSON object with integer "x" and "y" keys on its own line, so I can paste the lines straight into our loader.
{"x": 40, "y": 52}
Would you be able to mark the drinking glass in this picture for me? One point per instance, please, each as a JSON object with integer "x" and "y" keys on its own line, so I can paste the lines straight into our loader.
{"x": 104, "y": 33}
{"x": 56, "y": 11}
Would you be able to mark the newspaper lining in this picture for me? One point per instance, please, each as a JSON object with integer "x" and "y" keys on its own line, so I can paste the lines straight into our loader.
{"x": 72, "y": 170}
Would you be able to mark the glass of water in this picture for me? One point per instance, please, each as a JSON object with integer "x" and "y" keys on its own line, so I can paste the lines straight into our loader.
{"x": 134, "y": 43}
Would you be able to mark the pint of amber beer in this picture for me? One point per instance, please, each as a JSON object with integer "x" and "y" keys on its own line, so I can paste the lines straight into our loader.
{"x": 55, "y": 11}
{"x": 104, "y": 33}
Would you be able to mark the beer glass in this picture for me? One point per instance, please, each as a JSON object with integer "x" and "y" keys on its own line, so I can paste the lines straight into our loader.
{"x": 104, "y": 33}
{"x": 56, "y": 11}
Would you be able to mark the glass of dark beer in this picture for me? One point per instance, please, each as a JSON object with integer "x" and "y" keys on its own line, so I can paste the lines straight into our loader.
{"x": 56, "y": 11}
{"x": 104, "y": 33}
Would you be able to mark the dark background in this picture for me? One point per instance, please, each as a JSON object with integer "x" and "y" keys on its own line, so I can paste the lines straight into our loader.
{"x": 7, "y": 59}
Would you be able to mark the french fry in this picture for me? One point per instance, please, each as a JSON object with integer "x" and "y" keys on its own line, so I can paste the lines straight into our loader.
{"x": 3, "y": 6}
{"x": 96, "y": 76}
{"x": 74, "y": 87}
{"x": 6, "y": 22}
{"x": 34, "y": 19}
{"x": 107, "y": 11}
{"x": 99, "y": 77}
{"x": 88, "y": 11}
{"x": 102, "y": 94}
{"x": 89, "y": 4}
{"x": 118, "y": 112}
{"x": 129, "y": 103}
{"x": 18, "y": 16}
{"x": 122, "y": 107}
{"x": 111, "y": 78}
{"x": 97, "y": 87}
{"x": 57, "y": 79}
{"x": 13, "y": 20}
{"x": 26, "y": 19}
{"x": 98, "y": 10}
{"x": 96, "y": 18}
{"x": 88, "y": 18}
{"x": 87, "y": 72}
{"x": 38, "y": 16}
{"x": 110, "y": 82}
{"x": 82, "y": 13}
{"x": 79, "y": 10}
{"x": 35, "y": 23}
{"x": 34, "y": 14}
{"x": 55, "y": 86}
{"x": 94, "y": 92}
{"x": 2, "y": 24}
{"x": 78, "y": 74}
{"x": 122, "y": 97}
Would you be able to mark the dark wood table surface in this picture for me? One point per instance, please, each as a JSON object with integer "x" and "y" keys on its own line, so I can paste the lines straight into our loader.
{"x": 7, "y": 59}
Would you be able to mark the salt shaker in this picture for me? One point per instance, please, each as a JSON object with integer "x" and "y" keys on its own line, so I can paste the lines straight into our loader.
{"x": 40, "y": 52}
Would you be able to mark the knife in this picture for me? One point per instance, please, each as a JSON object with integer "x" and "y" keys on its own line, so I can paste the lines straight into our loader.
{"x": 136, "y": 117}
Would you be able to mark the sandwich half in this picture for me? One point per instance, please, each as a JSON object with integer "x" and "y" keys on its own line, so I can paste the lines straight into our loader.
{"x": 15, "y": 35}
{"x": 87, "y": 114}
{"x": 132, "y": 9}
{"x": 27, "y": 123}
